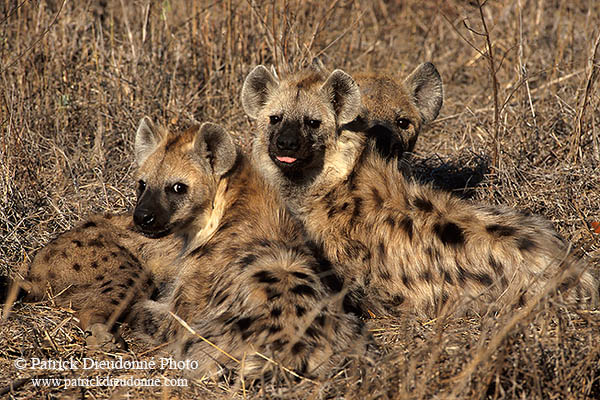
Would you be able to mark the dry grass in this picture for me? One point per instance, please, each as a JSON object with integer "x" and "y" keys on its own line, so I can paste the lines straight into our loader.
{"x": 75, "y": 77}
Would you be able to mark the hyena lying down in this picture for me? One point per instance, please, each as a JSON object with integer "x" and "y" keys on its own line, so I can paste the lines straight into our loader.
{"x": 397, "y": 244}
{"x": 99, "y": 268}
{"x": 243, "y": 277}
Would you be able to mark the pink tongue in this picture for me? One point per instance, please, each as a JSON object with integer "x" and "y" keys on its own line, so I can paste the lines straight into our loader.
{"x": 287, "y": 160}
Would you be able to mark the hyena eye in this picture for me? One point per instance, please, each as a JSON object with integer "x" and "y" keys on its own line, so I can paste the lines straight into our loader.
{"x": 403, "y": 123}
{"x": 141, "y": 186}
{"x": 179, "y": 188}
{"x": 274, "y": 119}
{"x": 313, "y": 123}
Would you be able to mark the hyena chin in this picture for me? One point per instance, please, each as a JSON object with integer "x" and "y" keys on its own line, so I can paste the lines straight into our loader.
{"x": 397, "y": 244}
{"x": 247, "y": 284}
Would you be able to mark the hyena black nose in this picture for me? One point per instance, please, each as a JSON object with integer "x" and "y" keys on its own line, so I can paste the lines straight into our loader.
{"x": 288, "y": 141}
{"x": 143, "y": 219}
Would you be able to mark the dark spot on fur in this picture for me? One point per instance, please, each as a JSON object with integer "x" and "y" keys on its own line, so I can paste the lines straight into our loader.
{"x": 122, "y": 295}
{"x": 449, "y": 233}
{"x": 96, "y": 243}
{"x": 303, "y": 290}
{"x": 390, "y": 221}
{"x": 407, "y": 281}
{"x": 423, "y": 204}
{"x": 385, "y": 275}
{"x": 447, "y": 277}
{"x": 320, "y": 320}
{"x": 525, "y": 244}
{"x": 77, "y": 243}
{"x": 105, "y": 284}
{"x": 279, "y": 344}
{"x": 104, "y": 259}
{"x": 397, "y": 300}
{"x": 298, "y": 347}
{"x": 89, "y": 224}
{"x": 122, "y": 266}
{"x": 243, "y": 324}
{"x": 482, "y": 278}
{"x": 99, "y": 278}
{"x": 77, "y": 267}
{"x": 300, "y": 311}
{"x": 496, "y": 265}
{"x": 313, "y": 332}
{"x": 247, "y": 260}
{"x": 426, "y": 276}
{"x": 52, "y": 275}
{"x": 265, "y": 277}
{"x": 500, "y": 230}
{"x": 351, "y": 302}
{"x": 274, "y": 329}
{"x": 377, "y": 197}
{"x": 106, "y": 290}
{"x": 382, "y": 249}
{"x": 272, "y": 294}
{"x": 276, "y": 312}
{"x": 357, "y": 207}
{"x": 187, "y": 345}
{"x": 130, "y": 282}
{"x": 344, "y": 206}
{"x": 94, "y": 265}
{"x": 302, "y": 275}
{"x": 115, "y": 302}
{"x": 406, "y": 224}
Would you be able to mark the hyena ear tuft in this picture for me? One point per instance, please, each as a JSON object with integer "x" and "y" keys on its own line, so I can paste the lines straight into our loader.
{"x": 256, "y": 90}
{"x": 216, "y": 146}
{"x": 147, "y": 139}
{"x": 344, "y": 94}
{"x": 424, "y": 85}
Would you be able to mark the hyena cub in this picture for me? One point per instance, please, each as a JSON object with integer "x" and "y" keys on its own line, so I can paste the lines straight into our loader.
{"x": 397, "y": 244}
{"x": 247, "y": 283}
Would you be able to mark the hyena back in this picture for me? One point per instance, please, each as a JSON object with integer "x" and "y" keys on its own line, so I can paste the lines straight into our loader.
{"x": 247, "y": 282}
{"x": 397, "y": 244}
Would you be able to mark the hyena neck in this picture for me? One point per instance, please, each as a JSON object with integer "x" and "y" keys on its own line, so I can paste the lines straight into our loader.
{"x": 241, "y": 189}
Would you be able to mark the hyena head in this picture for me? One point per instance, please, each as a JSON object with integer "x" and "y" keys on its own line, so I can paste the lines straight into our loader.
{"x": 178, "y": 175}
{"x": 298, "y": 119}
{"x": 397, "y": 111}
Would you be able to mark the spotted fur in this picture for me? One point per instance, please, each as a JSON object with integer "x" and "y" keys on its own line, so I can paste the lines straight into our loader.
{"x": 398, "y": 245}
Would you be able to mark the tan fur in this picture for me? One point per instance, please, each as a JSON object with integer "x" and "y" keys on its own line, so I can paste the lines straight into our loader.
{"x": 97, "y": 268}
{"x": 247, "y": 282}
{"x": 404, "y": 246}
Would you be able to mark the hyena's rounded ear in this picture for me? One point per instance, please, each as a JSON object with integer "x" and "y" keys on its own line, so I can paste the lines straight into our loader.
{"x": 256, "y": 90}
{"x": 215, "y": 145}
{"x": 424, "y": 85}
{"x": 147, "y": 139}
{"x": 344, "y": 95}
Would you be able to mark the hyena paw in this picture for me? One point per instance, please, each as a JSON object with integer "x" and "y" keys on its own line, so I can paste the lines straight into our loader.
{"x": 99, "y": 337}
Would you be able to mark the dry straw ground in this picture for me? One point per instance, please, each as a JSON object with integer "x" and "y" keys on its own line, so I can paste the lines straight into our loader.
{"x": 76, "y": 77}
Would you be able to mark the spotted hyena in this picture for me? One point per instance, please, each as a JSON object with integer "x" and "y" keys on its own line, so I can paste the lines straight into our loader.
{"x": 247, "y": 282}
{"x": 397, "y": 244}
